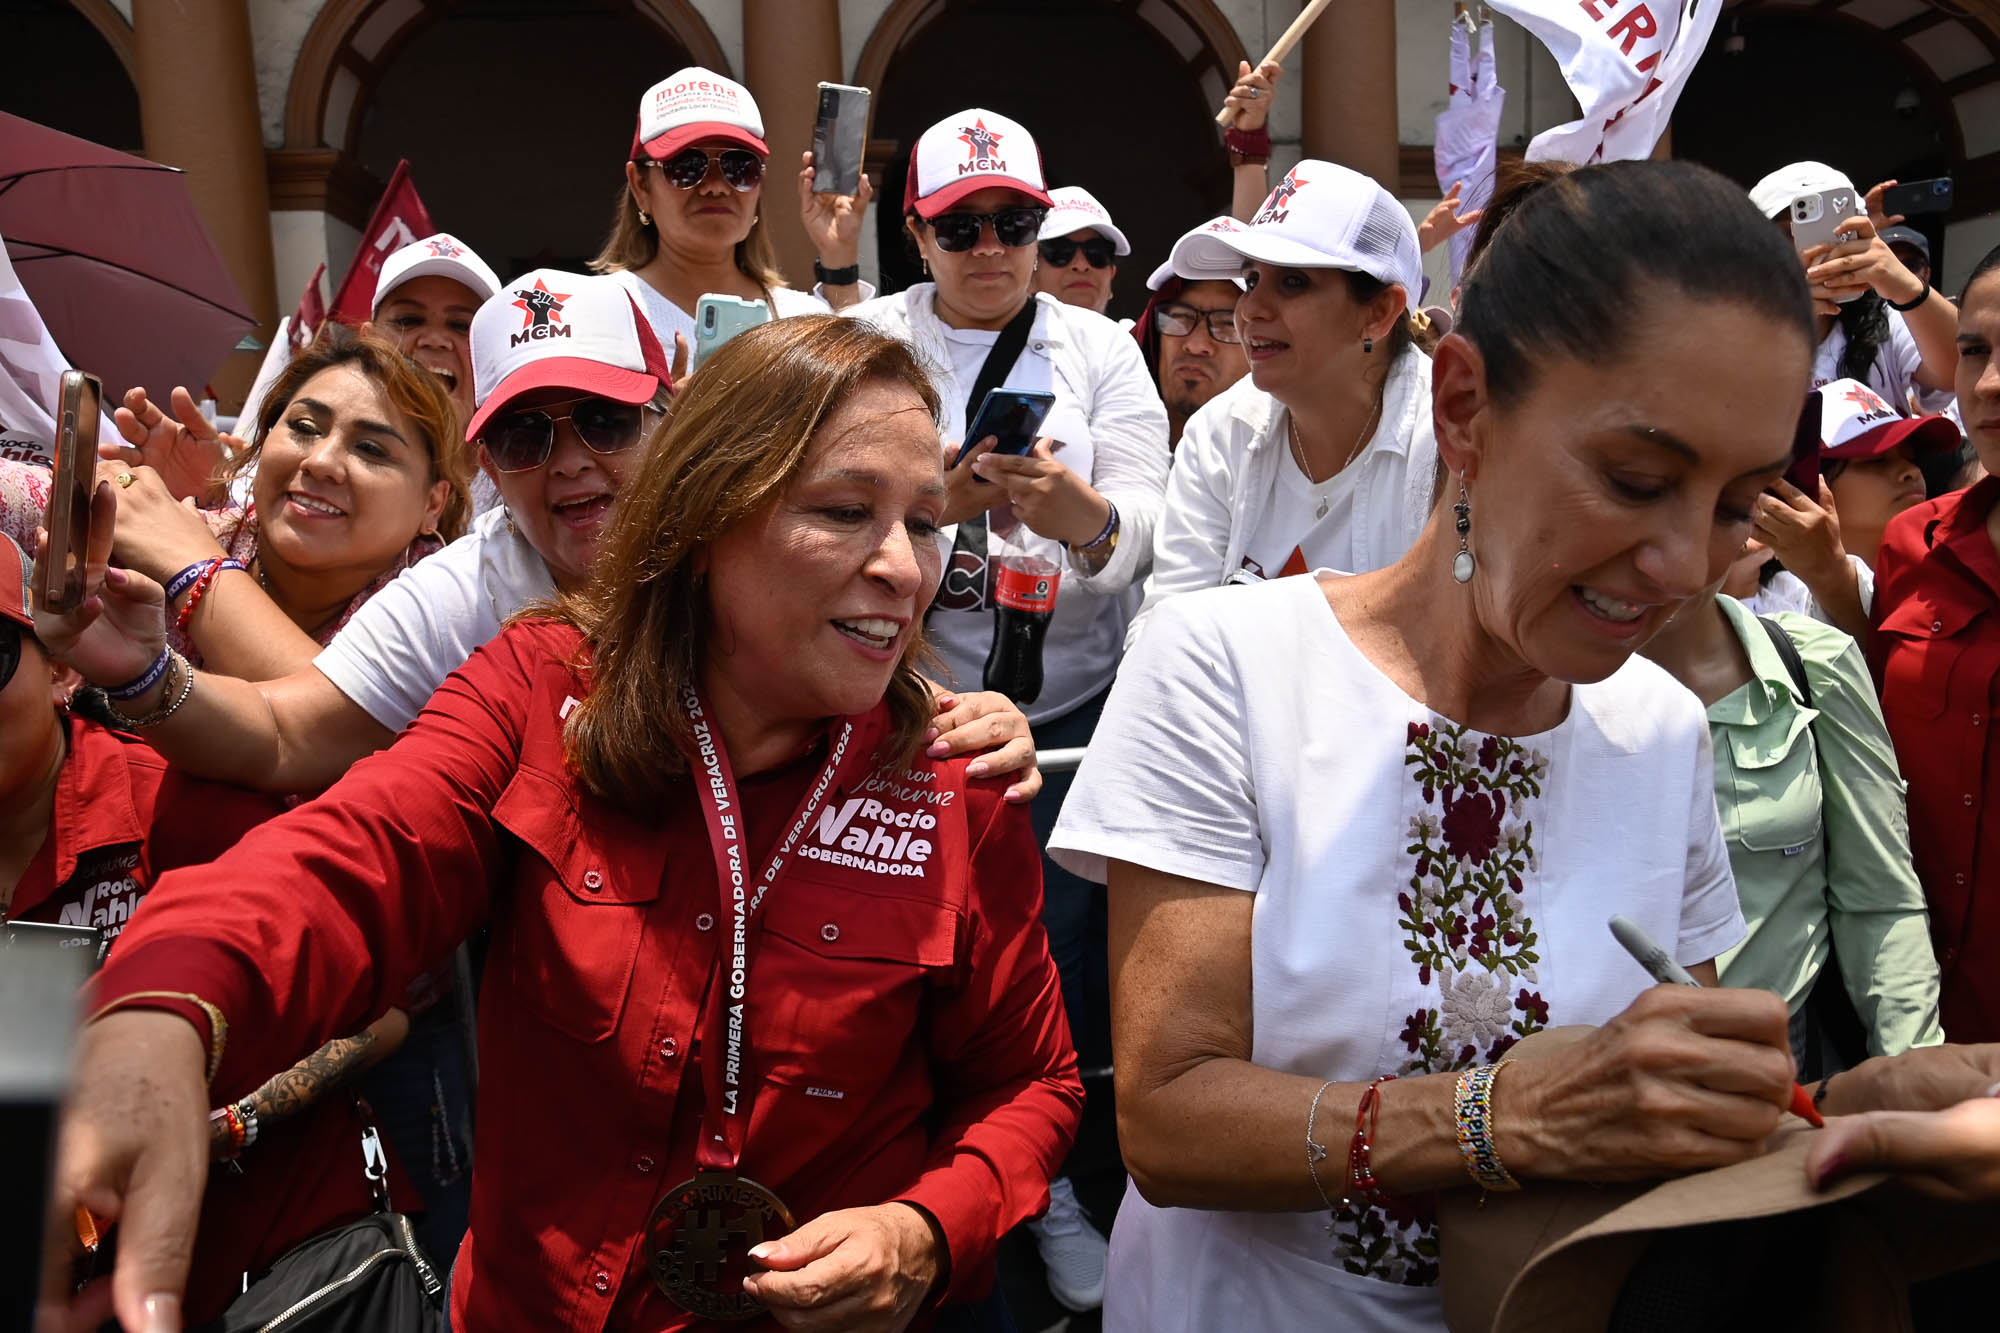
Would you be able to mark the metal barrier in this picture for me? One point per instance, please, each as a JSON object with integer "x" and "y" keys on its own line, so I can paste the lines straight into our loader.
{"x": 1059, "y": 761}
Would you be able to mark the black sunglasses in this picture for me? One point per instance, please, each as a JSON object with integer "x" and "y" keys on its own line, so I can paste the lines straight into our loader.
{"x": 1097, "y": 251}
{"x": 1178, "y": 321}
{"x": 1012, "y": 227}
{"x": 10, "y": 651}
{"x": 741, "y": 168}
{"x": 522, "y": 440}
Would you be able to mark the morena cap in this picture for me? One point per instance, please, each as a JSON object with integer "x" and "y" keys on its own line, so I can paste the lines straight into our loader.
{"x": 1224, "y": 225}
{"x": 17, "y": 574}
{"x": 554, "y": 330}
{"x": 1319, "y": 216}
{"x": 438, "y": 256}
{"x": 1774, "y": 194}
{"x": 1910, "y": 236}
{"x": 693, "y": 104}
{"x": 1072, "y": 209}
{"x": 973, "y": 150}
{"x": 1855, "y": 422}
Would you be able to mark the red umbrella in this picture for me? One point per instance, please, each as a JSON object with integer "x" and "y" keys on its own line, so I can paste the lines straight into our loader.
{"x": 111, "y": 251}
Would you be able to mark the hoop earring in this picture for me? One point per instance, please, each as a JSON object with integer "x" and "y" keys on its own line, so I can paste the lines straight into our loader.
{"x": 1367, "y": 346}
{"x": 1462, "y": 564}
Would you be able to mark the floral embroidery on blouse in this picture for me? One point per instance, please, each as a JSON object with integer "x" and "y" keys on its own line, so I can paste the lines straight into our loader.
{"x": 1466, "y": 930}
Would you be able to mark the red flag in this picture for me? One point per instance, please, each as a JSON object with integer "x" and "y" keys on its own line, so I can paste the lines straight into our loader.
{"x": 310, "y": 314}
{"x": 399, "y": 219}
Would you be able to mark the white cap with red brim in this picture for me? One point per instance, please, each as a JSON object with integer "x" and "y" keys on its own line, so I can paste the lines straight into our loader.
{"x": 1319, "y": 216}
{"x": 972, "y": 151}
{"x": 1856, "y": 422}
{"x": 439, "y": 256}
{"x": 554, "y": 330}
{"x": 693, "y": 104}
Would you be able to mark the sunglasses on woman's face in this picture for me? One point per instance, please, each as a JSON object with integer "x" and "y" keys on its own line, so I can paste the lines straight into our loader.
{"x": 1097, "y": 251}
{"x": 1012, "y": 227}
{"x": 519, "y": 441}
{"x": 741, "y": 168}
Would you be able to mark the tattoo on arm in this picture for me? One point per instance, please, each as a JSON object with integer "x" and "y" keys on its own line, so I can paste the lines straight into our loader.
{"x": 306, "y": 1082}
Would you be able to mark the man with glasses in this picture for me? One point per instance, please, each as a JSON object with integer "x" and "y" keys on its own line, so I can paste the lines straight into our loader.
{"x": 1200, "y": 353}
{"x": 1079, "y": 244}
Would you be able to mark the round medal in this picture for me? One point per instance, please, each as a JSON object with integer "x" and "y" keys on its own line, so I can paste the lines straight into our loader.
{"x": 700, "y": 1238}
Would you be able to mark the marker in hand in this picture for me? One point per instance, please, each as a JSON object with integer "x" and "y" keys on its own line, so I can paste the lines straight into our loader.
{"x": 1663, "y": 969}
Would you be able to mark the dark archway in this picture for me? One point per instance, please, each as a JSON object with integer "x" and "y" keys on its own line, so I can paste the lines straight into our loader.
{"x": 516, "y": 116}
{"x": 1113, "y": 101}
{"x": 63, "y": 73}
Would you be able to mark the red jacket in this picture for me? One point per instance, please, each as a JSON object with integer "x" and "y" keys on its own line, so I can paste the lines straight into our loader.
{"x": 910, "y": 1040}
{"x": 1936, "y": 656}
{"x": 122, "y": 819}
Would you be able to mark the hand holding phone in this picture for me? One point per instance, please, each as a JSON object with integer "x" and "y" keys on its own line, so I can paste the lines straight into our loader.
{"x": 718, "y": 318}
{"x": 1926, "y": 196}
{"x": 1012, "y": 416}
{"x": 59, "y": 578}
{"x": 840, "y": 137}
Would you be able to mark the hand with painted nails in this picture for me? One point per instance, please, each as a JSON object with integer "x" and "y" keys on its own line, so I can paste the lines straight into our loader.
{"x": 987, "y": 724}
{"x": 858, "y": 1270}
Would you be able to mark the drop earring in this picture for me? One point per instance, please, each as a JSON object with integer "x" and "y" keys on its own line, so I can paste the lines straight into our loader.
{"x": 1462, "y": 564}
{"x": 645, "y": 218}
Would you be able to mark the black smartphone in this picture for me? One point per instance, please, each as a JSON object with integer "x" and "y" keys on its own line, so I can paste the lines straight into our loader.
{"x": 1931, "y": 196}
{"x": 59, "y": 578}
{"x": 840, "y": 135}
{"x": 1013, "y": 416}
{"x": 1806, "y": 444}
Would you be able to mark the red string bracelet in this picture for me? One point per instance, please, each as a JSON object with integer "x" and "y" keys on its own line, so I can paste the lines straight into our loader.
{"x": 1360, "y": 1169}
{"x": 194, "y": 596}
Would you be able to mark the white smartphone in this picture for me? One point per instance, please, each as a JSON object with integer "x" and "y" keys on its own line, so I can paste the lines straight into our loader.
{"x": 1816, "y": 218}
{"x": 840, "y": 136}
{"x": 718, "y": 318}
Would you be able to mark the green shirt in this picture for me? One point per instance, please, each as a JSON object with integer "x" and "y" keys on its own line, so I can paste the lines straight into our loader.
{"x": 1783, "y": 814}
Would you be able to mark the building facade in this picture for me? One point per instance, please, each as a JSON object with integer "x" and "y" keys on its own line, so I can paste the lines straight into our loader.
{"x": 516, "y": 114}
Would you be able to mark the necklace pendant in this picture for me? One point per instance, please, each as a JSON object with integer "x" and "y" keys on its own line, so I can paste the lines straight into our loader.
{"x": 1321, "y": 512}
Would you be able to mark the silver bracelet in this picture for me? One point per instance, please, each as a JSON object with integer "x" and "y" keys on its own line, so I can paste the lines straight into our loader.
{"x": 1316, "y": 1153}
{"x": 170, "y": 702}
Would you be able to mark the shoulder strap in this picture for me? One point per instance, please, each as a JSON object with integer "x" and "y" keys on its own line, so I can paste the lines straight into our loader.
{"x": 1000, "y": 358}
{"x": 1789, "y": 651}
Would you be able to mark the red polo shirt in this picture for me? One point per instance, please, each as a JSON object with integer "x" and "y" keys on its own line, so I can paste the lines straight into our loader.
{"x": 1936, "y": 656}
{"x": 906, "y": 1036}
{"x": 122, "y": 819}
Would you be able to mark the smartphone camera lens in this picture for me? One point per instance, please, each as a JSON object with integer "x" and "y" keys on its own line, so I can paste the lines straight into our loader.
{"x": 1941, "y": 188}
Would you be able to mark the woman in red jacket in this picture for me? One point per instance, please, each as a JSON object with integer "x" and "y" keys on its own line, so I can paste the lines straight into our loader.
{"x": 756, "y": 960}
{"x": 1936, "y": 655}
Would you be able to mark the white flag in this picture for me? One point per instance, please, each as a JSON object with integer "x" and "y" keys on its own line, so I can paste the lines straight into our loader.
{"x": 1468, "y": 131}
{"x": 31, "y": 365}
{"x": 1626, "y": 61}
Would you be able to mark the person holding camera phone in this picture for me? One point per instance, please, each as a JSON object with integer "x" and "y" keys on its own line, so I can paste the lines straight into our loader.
{"x": 686, "y": 222}
{"x": 1085, "y": 497}
{"x": 1878, "y": 322}
{"x": 1324, "y": 455}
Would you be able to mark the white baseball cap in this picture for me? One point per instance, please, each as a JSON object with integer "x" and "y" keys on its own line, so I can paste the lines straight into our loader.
{"x": 553, "y": 330}
{"x": 1224, "y": 225}
{"x": 1856, "y": 422}
{"x": 439, "y": 256}
{"x": 1774, "y": 194}
{"x": 1074, "y": 208}
{"x": 1319, "y": 216}
{"x": 694, "y": 104}
{"x": 973, "y": 150}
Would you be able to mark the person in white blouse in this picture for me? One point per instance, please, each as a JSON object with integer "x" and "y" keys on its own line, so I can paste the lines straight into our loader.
{"x": 1086, "y": 498}
{"x": 686, "y": 222}
{"x": 1365, "y": 832}
{"x": 1324, "y": 455}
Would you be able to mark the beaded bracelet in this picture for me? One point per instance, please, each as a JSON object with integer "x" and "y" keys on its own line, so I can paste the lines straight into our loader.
{"x": 249, "y": 1117}
{"x": 1473, "y": 1107}
{"x": 200, "y": 590}
{"x": 138, "y": 685}
{"x": 1361, "y": 1149}
{"x": 170, "y": 702}
{"x": 186, "y": 579}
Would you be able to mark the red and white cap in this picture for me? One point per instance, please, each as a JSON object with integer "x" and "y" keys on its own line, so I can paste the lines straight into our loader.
{"x": 1856, "y": 422}
{"x": 1073, "y": 208}
{"x": 554, "y": 330}
{"x": 1319, "y": 216}
{"x": 438, "y": 256}
{"x": 973, "y": 150}
{"x": 1224, "y": 225}
{"x": 693, "y": 104}
{"x": 17, "y": 572}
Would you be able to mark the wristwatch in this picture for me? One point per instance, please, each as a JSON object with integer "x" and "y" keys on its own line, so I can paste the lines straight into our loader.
{"x": 836, "y": 277}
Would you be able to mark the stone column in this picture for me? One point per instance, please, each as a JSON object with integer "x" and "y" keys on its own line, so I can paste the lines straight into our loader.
{"x": 1348, "y": 86}
{"x": 198, "y": 111}
{"x": 789, "y": 47}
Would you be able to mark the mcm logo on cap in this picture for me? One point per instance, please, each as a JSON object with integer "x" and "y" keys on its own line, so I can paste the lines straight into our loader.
{"x": 980, "y": 147}
{"x": 1277, "y": 207}
{"x": 444, "y": 247}
{"x": 1871, "y": 405}
{"x": 541, "y": 313}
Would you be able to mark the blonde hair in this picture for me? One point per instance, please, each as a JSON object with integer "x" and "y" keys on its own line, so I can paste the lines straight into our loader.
{"x": 738, "y": 433}
{"x": 632, "y": 244}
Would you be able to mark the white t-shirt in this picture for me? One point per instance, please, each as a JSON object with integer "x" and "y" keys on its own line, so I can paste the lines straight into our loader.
{"x": 1892, "y": 374}
{"x": 1426, "y": 895}
{"x": 408, "y": 637}
{"x": 668, "y": 319}
{"x": 1304, "y": 525}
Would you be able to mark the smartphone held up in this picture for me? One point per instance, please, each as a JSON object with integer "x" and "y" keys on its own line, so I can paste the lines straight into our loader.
{"x": 59, "y": 578}
{"x": 840, "y": 135}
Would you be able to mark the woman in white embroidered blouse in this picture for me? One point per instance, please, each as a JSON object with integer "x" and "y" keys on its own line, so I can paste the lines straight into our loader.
{"x": 1372, "y": 827}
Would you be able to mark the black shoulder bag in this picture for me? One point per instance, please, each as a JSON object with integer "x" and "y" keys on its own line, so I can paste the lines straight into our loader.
{"x": 965, "y": 582}
{"x": 1835, "y": 1037}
